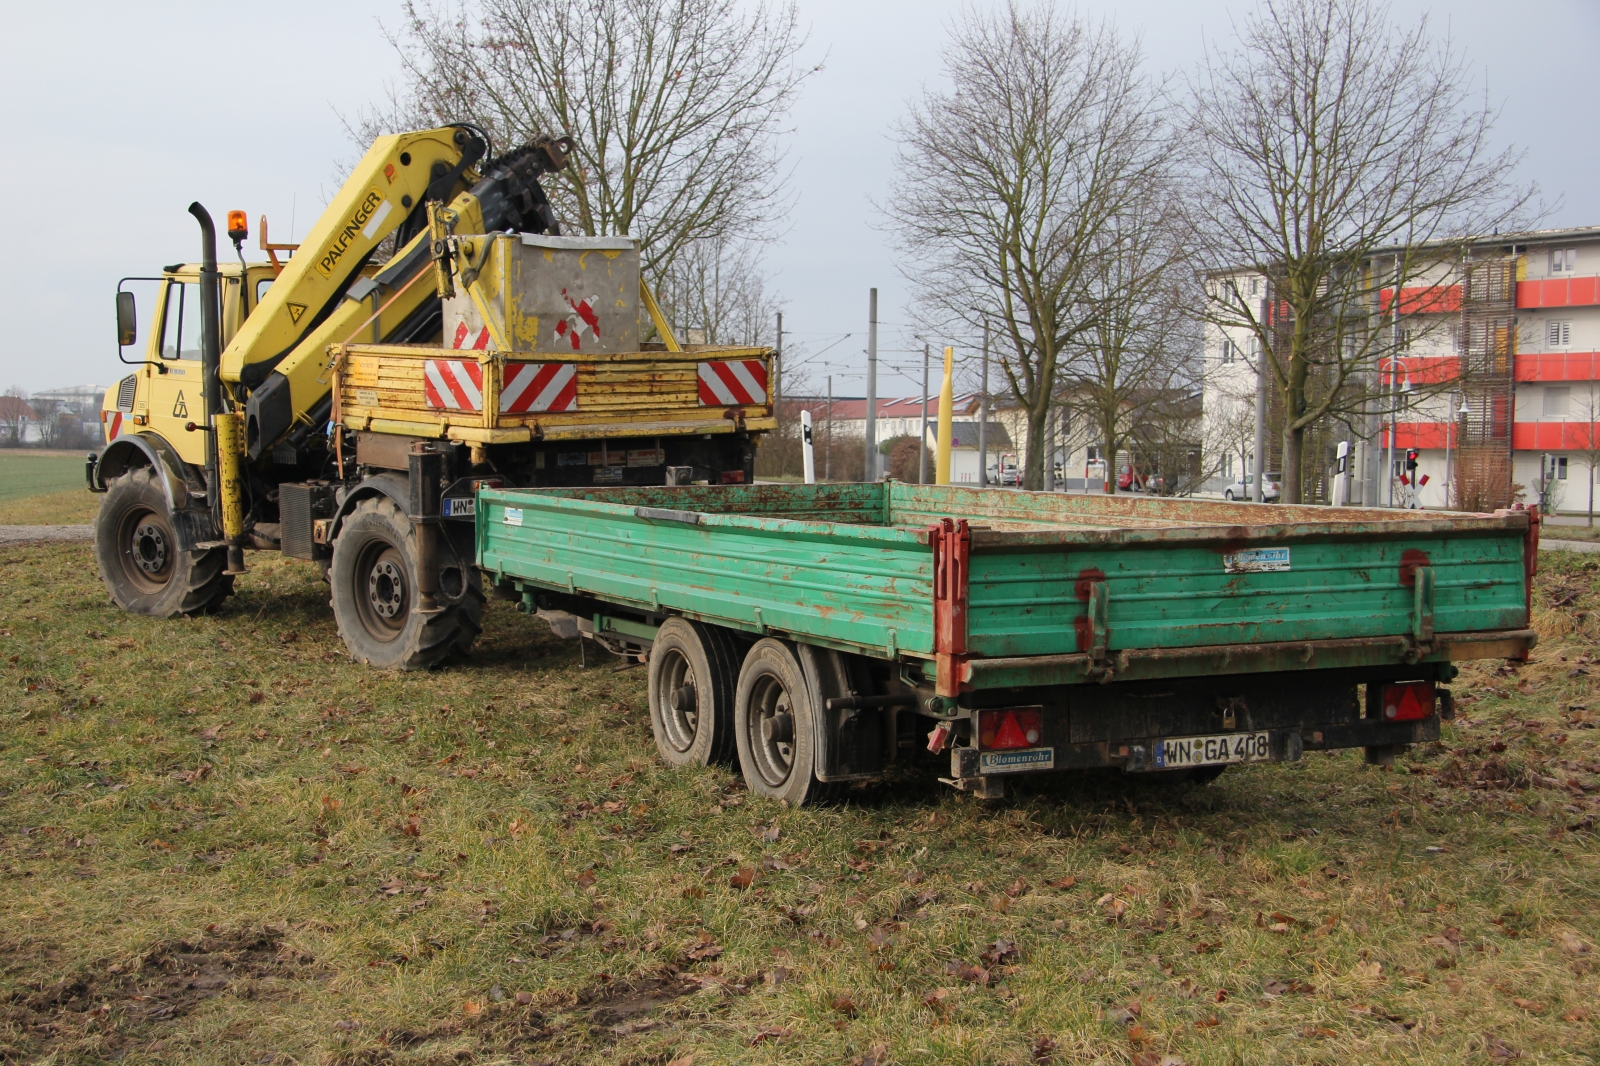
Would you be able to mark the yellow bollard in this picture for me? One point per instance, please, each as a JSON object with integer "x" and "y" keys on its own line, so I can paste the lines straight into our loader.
{"x": 947, "y": 404}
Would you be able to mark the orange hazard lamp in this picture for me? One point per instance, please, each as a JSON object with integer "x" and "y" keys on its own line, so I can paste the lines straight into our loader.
{"x": 238, "y": 227}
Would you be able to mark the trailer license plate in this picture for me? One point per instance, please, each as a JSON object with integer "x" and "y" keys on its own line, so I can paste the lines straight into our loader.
{"x": 1207, "y": 751}
{"x": 1015, "y": 761}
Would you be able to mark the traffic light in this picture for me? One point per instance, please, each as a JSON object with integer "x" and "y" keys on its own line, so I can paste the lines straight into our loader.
{"x": 1411, "y": 459}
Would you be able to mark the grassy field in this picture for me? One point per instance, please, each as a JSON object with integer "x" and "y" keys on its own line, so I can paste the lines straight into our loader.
{"x": 40, "y": 488}
{"x": 222, "y": 842}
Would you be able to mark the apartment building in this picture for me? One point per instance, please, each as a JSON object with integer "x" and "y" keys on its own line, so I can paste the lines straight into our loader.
{"x": 1492, "y": 380}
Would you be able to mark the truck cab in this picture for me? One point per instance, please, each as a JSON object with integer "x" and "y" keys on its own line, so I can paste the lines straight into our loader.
{"x": 158, "y": 322}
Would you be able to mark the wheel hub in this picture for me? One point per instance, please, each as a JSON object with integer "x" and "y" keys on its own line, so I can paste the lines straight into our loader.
{"x": 150, "y": 548}
{"x": 386, "y": 588}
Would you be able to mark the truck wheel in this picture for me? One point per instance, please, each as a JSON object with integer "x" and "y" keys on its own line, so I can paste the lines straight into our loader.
{"x": 136, "y": 549}
{"x": 693, "y": 671}
{"x": 775, "y": 726}
{"x": 374, "y": 581}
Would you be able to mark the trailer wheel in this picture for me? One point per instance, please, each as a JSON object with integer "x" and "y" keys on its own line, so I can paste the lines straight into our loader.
{"x": 694, "y": 669}
{"x": 374, "y": 581}
{"x": 136, "y": 549}
{"x": 775, "y": 726}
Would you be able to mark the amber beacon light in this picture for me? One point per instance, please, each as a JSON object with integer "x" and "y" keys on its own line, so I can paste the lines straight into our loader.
{"x": 238, "y": 226}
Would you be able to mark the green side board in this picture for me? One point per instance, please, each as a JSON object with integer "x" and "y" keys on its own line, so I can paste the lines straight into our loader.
{"x": 850, "y": 566}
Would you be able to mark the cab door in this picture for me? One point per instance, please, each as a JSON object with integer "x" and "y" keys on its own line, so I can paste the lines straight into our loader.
{"x": 175, "y": 396}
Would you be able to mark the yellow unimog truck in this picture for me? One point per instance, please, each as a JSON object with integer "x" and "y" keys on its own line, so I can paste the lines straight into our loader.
{"x": 434, "y": 332}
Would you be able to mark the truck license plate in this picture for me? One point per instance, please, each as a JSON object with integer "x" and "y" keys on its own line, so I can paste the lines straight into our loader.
{"x": 1207, "y": 751}
{"x": 460, "y": 507}
{"x": 1017, "y": 760}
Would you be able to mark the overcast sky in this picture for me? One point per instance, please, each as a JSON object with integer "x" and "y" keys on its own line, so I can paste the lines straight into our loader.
{"x": 120, "y": 114}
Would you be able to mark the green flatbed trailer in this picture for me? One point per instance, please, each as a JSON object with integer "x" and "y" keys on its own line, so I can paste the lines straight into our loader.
{"x": 826, "y": 633}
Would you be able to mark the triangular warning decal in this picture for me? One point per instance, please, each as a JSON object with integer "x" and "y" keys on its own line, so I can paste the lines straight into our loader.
{"x": 179, "y": 408}
{"x": 295, "y": 311}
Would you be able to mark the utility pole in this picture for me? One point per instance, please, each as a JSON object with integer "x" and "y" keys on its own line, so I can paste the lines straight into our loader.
{"x": 922, "y": 439}
{"x": 1261, "y": 423}
{"x": 871, "y": 468}
{"x": 777, "y": 374}
{"x": 827, "y": 448}
{"x": 983, "y": 416}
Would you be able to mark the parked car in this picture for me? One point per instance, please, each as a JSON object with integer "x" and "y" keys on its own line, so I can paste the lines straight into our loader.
{"x": 1244, "y": 488}
{"x": 1005, "y": 473}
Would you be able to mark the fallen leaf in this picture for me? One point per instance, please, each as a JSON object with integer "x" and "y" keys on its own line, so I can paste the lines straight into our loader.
{"x": 1017, "y": 888}
{"x": 1317, "y": 1030}
{"x": 471, "y": 1008}
{"x": 1500, "y": 1051}
{"x": 770, "y": 1032}
{"x": 1577, "y": 1014}
{"x": 744, "y": 878}
{"x": 1044, "y": 1050}
{"x": 1206, "y": 1023}
{"x": 1001, "y": 951}
{"x": 966, "y": 971}
{"x": 706, "y": 949}
{"x": 331, "y": 804}
{"x": 1368, "y": 970}
{"x": 584, "y": 879}
{"x": 523, "y": 998}
{"x": 1567, "y": 941}
{"x": 771, "y": 834}
{"x": 1274, "y": 988}
{"x": 1064, "y": 882}
{"x": 257, "y": 697}
{"x": 1138, "y": 1034}
{"x": 844, "y": 1005}
{"x": 346, "y": 1024}
{"x": 1531, "y": 1006}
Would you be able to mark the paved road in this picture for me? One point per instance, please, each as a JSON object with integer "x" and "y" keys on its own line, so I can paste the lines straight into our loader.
{"x": 1547, "y": 544}
{"x": 18, "y": 534}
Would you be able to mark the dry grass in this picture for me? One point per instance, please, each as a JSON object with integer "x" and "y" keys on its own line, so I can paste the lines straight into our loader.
{"x": 73, "y": 507}
{"x": 221, "y": 842}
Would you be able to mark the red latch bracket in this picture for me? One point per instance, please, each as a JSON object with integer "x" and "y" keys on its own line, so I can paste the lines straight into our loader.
{"x": 951, "y": 541}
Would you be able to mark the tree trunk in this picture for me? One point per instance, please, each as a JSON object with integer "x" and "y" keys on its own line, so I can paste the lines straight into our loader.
{"x": 1293, "y": 445}
{"x": 1108, "y": 449}
{"x": 1033, "y": 469}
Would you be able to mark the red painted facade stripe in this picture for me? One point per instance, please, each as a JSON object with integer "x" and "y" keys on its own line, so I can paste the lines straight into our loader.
{"x": 1559, "y": 292}
{"x": 1423, "y": 369}
{"x": 1423, "y": 300}
{"x": 1421, "y": 435}
{"x": 1558, "y": 366}
{"x": 1555, "y": 436}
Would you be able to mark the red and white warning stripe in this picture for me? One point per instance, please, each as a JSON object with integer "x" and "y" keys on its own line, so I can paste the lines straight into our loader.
{"x": 539, "y": 387}
{"x": 453, "y": 384}
{"x": 465, "y": 339}
{"x": 113, "y": 423}
{"x": 457, "y": 385}
{"x": 732, "y": 382}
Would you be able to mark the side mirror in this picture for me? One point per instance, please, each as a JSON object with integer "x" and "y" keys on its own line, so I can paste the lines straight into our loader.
{"x": 127, "y": 320}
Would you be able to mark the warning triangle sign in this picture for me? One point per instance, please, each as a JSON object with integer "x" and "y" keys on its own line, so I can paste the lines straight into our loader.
{"x": 179, "y": 408}
{"x": 295, "y": 311}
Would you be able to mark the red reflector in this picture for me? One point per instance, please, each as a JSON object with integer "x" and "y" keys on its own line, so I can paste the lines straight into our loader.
{"x": 1402, "y": 703}
{"x": 1014, "y": 727}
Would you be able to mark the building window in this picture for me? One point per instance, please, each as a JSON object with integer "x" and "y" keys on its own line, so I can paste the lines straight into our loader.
{"x": 1227, "y": 351}
{"x": 1092, "y": 453}
{"x": 1227, "y": 465}
{"x": 1558, "y": 334}
{"x": 1556, "y": 400}
{"x": 1563, "y": 260}
{"x": 1561, "y": 468}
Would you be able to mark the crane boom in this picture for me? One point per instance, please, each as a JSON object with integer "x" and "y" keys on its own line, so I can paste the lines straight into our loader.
{"x": 277, "y": 363}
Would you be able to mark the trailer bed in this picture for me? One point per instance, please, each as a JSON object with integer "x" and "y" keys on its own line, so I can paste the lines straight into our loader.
{"x": 988, "y": 588}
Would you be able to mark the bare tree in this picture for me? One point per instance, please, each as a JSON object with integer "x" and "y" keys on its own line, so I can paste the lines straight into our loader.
{"x": 1124, "y": 372}
{"x": 1006, "y": 180}
{"x": 675, "y": 106}
{"x": 716, "y": 286}
{"x": 1337, "y": 157}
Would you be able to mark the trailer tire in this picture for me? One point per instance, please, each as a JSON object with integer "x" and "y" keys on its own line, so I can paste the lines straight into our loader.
{"x": 136, "y": 551}
{"x": 775, "y": 720}
{"x": 374, "y": 581}
{"x": 704, "y": 660}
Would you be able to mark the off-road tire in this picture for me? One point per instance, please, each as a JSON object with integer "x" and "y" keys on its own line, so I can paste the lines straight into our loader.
{"x": 771, "y": 684}
{"x": 687, "y": 653}
{"x": 136, "y": 550}
{"x": 374, "y": 583}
